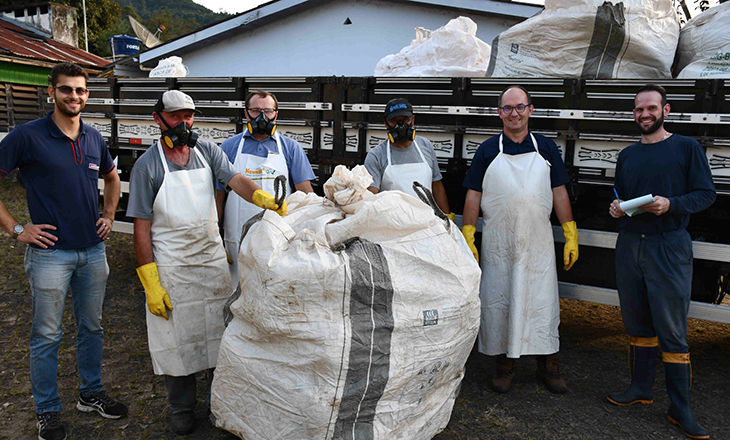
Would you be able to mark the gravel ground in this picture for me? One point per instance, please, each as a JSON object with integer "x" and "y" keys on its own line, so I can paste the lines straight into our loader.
{"x": 593, "y": 362}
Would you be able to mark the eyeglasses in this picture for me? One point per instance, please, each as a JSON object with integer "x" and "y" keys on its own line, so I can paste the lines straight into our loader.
{"x": 257, "y": 111}
{"x": 507, "y": 109}
{"x": 66, "y": 90}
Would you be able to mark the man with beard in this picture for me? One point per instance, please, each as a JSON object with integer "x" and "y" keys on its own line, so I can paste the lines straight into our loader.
{"x": 61, "y": 159}
{"x": 654, "y": 254}
{"x": 517, "y": 178}
{"x": 260, "y": 153}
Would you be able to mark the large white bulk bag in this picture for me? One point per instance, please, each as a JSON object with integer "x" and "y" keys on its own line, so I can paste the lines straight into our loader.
{"x": 704, "y": 45}
{"x": 592, "y": 39}
{"x": 451, "y": 50}
{"x": 354, "y": 320}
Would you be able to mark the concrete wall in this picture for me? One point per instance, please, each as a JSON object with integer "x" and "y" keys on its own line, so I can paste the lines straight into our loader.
{"x": 59, "y": 21}
{"x": 65, "y": 24}
{"x": 317, "y": 43}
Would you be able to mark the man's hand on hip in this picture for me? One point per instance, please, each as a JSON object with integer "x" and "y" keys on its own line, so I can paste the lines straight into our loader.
{"x": 35, "y": 234}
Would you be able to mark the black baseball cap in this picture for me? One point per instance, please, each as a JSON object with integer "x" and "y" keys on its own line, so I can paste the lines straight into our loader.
{"x": 398, "y": 107}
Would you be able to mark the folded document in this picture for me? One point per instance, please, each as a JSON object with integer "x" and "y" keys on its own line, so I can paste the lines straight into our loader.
{"x": 631, "y": 207}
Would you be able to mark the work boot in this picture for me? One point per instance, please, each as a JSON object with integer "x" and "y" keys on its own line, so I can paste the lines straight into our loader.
{"x": 548, "y": 373}
{"x": 502, "y": 379}
{"x": 643, "y": 362}
{"x": 183, "y": 422}
{"x": 679, "y": 378}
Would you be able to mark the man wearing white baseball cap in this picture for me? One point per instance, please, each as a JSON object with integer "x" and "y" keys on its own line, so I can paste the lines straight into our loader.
{"x": 182, "y": 261}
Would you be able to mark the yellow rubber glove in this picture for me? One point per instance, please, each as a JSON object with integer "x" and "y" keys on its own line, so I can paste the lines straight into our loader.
{"x": 158, "y": 301}
{"x": 451, "y": 216}
{"x": 468, "y": 232}
{"x": 570, "y": 251}
{"x": 264, "y": 200}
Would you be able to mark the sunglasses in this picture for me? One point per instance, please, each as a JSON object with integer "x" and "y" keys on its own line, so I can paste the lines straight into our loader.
{"x": 66, "y": 90}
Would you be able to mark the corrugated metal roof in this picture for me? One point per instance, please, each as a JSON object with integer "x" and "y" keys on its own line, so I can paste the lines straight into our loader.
{"x": 24, "y": 43}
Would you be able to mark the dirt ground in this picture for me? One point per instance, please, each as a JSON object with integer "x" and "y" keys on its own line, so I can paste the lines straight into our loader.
{"x": 593, "y": 362}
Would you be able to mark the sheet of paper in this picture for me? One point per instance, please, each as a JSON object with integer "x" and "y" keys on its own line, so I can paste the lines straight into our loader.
{"x": 631, "y": 207}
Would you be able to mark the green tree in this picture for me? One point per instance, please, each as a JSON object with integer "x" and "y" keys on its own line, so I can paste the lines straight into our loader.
{"x": 101, "y": 15}
{"x": 175, "y": 25}
{"x": 101, "y": 45}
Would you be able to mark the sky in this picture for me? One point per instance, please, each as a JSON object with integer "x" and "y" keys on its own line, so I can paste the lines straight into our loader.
{"x": 230, "y": 6}
{"x": 237, "y": 6}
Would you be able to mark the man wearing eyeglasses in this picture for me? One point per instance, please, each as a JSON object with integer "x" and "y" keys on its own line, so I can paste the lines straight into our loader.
{"x": 61, "y": 160}
{"x": 517, "y": 178}
{"x": 260, "y": 153}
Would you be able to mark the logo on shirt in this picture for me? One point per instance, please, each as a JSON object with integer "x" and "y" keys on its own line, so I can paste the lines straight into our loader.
{"x": 263, "y": 171}
{"x": 93, "y": 166}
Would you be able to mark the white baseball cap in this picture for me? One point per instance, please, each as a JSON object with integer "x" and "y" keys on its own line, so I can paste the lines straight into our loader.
{"x": 174, "y": 100}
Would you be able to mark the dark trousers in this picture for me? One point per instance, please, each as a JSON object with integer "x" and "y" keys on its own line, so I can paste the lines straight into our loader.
{"x": 182, "y": 391}
{"x": 654, "y": 280}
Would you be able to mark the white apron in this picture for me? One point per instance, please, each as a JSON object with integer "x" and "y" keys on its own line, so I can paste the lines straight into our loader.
{"x": 193, "y": 270}
{"x": 401, "y": 177}
{"x": 519, "y": 287}
{"x": 263, "y": 171}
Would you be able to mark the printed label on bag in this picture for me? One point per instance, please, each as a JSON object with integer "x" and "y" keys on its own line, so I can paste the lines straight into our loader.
{"x": 430, "y": 317}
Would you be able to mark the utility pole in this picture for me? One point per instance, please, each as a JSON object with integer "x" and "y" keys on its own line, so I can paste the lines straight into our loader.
{"x": 86, "y": 35}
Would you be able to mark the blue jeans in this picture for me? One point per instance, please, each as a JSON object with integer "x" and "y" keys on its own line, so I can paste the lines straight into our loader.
{"x": 51, "y": 272}
{"x": 654, "y": 281}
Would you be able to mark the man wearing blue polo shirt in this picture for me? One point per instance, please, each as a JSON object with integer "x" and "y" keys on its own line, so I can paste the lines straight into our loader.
{"x": 61, "y": 159}
{"x": 261, "y": 154}
{"x": 517, "y": 178}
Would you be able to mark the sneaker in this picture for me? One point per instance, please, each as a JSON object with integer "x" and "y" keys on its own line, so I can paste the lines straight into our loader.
{"x": 103, "y": 404}
{"x": 183, "y": 423}
{"x": 50, "y": 427}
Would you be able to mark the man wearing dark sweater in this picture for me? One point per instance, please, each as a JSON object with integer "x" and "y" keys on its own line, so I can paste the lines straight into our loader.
{"x": 654, "y": 254}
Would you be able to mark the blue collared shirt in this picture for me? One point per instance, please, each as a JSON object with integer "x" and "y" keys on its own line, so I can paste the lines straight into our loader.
{"x": 61, "y": 177}
{"x": 296, "y": 159}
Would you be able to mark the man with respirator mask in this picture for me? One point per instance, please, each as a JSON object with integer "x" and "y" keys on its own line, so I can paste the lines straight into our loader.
{"x": 260, "y": 153}
{"x": 404, "y": 157}
{"x": 182, "y": 261}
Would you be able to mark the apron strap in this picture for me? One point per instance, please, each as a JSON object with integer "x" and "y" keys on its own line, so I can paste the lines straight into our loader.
{"x": 415, "y": 145}
{"x": 162, "y": 157}
{"x": 534, "y": 143}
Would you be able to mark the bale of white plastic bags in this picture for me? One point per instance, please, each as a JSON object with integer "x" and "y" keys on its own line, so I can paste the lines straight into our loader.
{"x": 591, "y": 39}
{"x": 704, "y": 45}
{"x": 451, "y": 50}
{"x": 356, "y": 315}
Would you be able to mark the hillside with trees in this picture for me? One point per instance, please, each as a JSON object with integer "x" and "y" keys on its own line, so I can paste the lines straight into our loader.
{"x": 105, "y": 18}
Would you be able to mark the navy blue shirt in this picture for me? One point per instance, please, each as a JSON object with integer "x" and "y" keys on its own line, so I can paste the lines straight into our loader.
{"x": 675, "y": 168}
{"x": 489, "y": 149}
{"x": 61, "y": 177}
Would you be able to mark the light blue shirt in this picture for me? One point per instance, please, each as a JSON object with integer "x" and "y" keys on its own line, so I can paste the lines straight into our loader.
{"x": 296, "y": 159}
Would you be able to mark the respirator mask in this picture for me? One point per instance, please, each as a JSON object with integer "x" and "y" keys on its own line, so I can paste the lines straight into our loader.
{"x": 401, "y": 133}
{"x": 261, "y": 125}
{"x": 178, "y": 135}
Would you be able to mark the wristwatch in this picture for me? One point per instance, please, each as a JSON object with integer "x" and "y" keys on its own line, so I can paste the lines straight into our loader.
{"x": 17, "y": 230}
